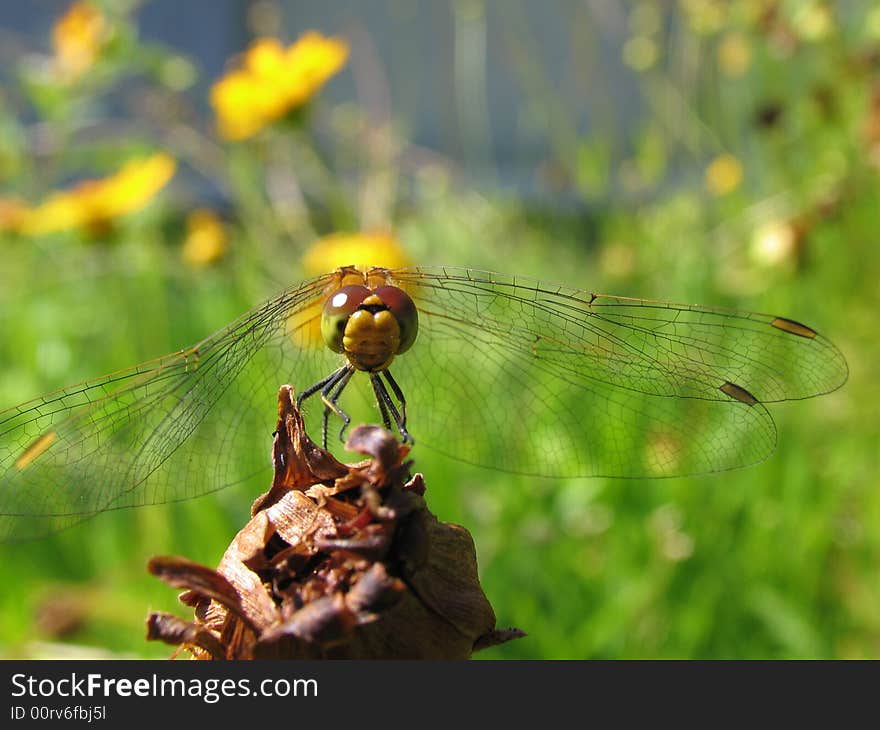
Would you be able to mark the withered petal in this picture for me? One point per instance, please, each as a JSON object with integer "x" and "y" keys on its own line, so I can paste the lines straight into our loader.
{"x": 374, "y": 591}
{"x": 324, "y": 622}
{"x": 183, "y": 573}
{"x": 175, "y": 631}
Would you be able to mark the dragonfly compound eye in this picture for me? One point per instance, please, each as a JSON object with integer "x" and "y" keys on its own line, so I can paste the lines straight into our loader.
{"x": 337, "y": 310}
{"x": 404, "y": 310}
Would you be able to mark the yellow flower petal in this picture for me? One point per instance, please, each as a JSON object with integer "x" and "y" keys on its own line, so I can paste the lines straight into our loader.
{"x": 206, "y": 240}
{"x": 313, "y": 59}
{"x": 354, "y": 249}
{"x": 265, "y": 57}
{"x": 77, "y": 39}
{"x": 724, "y": 175}
{"x": 12, "y": 213}
{"x": 734, "y": 54}
{"x": 59, "y": 212}
{"x": 640, "y": 53}
{"x": 813, "y": 21}
{"x": 235, "y": 99}
{"x": 135, "y": 185}
{"x": 704, "y": 16}
{"x": 272, "y": 81}
{"x": 94, "y": 203}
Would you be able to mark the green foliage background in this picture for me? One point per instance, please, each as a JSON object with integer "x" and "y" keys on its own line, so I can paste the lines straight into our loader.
{"x": 780, "y": 560}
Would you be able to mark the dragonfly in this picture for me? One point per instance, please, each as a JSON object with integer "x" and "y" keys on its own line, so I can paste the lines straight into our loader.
{"x": 490, "y": 369}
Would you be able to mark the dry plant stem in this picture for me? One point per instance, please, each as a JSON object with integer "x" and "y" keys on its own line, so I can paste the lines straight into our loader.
{"x": 337, "y": 561}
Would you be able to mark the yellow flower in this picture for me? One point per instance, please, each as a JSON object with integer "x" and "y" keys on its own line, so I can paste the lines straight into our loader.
{"x": 362, "y": 250}
{"x": 12, "y": 213}
{"x": 640, "y": 53}
{"x": 354, "y": 249}
{"x": 724, "y": 175}
{"x": 206, "y": 240}
{"x": 813, "y": 21}
{"x": 272, "y": 81}
{"x": 92, "y": 204}
{"x": 704, "y": 16}
{"x": 77, "y": 39}
{"x": 734, "y": 54}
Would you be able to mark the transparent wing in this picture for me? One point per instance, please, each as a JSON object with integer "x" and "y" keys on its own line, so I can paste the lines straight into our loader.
{"x": 505, "y": 372}
{"x": 170, "y": 429}
{"x": 518, "y": 375}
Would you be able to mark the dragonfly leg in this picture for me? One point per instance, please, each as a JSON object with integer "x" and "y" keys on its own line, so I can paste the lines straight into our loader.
{"x": 330, "y": 395}
{"x": 387, "y": 406}
{"x": 325, "y": 385}
{"x": 381, "y": 400}
{"x": 398, "y": 391}
{"x": 312, "y": 389}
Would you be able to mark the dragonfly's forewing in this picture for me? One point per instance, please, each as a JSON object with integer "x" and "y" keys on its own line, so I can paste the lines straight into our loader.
{"x": 548, "y": 380}
{"x": 167, "y": 430}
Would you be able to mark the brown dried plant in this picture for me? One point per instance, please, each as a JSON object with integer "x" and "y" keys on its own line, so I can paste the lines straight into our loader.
{"x": 337, "y": 561}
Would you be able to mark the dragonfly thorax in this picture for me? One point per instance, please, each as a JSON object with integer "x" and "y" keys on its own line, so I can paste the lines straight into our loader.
{"x": 369, "y": 326}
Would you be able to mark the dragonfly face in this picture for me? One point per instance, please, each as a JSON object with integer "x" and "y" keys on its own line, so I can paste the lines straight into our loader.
{"x": 490, "y": 369}
{"x": 370, "y": 327}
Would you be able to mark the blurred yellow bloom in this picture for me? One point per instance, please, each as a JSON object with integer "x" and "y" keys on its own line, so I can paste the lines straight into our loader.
{"x": 92, "y": 204}
{"x": 12, "y": 213}
{"x": 618, "y": 259}
{"x": 274, "y": 80}
{"x": 77, "y": 39}
{"x": 734, "y": 54}
{"x": 871, "y": 23}
{"x": 724, "y": 175}
{"x": 206, "y": 240}
{"x": 704, "y": 16}
{"x": 362, "y": 250}
{"x": 640, "y": 53}
{"x": 812, "y": 21}
{"x": 354, "y": 249}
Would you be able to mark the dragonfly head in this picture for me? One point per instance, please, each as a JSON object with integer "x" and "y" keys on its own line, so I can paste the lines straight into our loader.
{"x": 369, "y": 326}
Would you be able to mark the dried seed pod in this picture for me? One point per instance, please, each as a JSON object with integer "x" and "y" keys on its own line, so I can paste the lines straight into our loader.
{"x": 337, "y": 561}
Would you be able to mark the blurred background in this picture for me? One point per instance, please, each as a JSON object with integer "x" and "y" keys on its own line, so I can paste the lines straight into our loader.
{"x": 166, "y": 166}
